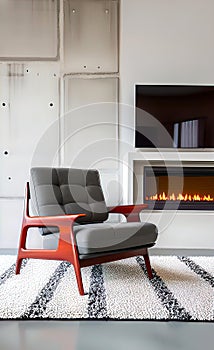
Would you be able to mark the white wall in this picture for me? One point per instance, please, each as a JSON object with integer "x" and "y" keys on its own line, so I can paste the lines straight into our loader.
{"x": 160, "y": 42}
{"x": 166, "y": 42}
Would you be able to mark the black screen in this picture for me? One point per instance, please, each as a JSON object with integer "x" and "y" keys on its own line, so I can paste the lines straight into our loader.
{"x": 174, "y": 116}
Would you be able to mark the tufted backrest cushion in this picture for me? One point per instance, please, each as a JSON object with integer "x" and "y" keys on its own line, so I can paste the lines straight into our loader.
{"x": 57, "y": 191}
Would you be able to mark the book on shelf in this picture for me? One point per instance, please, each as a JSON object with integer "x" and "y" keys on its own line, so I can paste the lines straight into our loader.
{"x": 186, "y": 134}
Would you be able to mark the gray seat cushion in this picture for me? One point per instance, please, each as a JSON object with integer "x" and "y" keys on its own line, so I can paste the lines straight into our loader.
{"x": 106, "y": 237}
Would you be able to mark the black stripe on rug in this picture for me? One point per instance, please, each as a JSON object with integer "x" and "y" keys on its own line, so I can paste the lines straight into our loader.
{"x": 97, "y": 306}
{"x": 176, "y": 311}
{"x": 197, "y": 269}
{"x": 10, "y": 272}
{"x": 38, "y": 307}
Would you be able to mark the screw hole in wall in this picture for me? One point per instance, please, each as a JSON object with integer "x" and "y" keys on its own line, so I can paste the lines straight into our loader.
{"x": 6, "y": 153}
{"x": 3, "y": 104}
{"x": 85, "y": 66}
{"x": 51, "y": 104}
{"x": 9, "y": 178}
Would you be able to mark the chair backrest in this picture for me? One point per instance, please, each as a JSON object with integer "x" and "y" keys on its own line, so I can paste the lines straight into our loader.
{"x": 57, "y": 191}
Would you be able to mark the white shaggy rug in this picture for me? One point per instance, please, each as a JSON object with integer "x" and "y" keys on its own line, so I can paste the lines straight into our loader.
{"x": 182, "y": 289}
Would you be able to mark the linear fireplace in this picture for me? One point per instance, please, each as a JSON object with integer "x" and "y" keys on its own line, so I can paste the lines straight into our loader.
{"x": 183, "y": 188}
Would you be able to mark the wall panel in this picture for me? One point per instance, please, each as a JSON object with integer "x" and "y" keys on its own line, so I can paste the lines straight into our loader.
{"x": 91, "y": 36}
{"x": 10, "y": 225}
{"x": 31, "y": 98}
{"x": 29, "y": 29}
{"x": 91, "y": 122}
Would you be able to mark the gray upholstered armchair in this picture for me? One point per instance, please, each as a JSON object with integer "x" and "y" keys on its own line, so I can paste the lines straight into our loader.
{"x": 71, "y": 202}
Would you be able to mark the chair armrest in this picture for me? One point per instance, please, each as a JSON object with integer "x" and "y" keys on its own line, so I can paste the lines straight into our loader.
{"x": 130, "y": 211}
{"x": 127, "y": 209}
{"x": 63, "y": 222}
{"x": 58, "y": 220}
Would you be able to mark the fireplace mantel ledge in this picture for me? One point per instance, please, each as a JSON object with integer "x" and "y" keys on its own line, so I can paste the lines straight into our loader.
{"x": 171, "y": 155}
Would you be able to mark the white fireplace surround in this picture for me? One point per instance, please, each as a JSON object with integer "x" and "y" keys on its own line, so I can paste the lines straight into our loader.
{"x": 177, "y": 229}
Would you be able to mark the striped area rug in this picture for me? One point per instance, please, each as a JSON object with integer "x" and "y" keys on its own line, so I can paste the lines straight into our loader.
{"x": 182, "y": 289}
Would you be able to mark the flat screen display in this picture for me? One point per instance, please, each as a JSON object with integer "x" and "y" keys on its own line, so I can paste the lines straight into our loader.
{"x": 174, "y": 116}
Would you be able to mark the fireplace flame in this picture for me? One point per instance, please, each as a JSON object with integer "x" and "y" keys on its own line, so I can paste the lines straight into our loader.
{"x": 180, "y": 197}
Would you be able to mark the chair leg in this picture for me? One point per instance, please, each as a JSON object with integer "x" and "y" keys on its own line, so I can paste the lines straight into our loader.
{"x": 18, "y": 265}
{"x": 69, "y": 252}
{"x": 148, "y": 265}
{"x": 22, "y": 244}
{"x": 79, "y": 278}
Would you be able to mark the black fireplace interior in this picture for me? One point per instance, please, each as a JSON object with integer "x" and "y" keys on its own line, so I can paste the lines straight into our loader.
{"x": 187, "y": 188}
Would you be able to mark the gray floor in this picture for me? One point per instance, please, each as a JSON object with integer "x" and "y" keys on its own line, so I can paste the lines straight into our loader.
{"x": 93, "y": 335}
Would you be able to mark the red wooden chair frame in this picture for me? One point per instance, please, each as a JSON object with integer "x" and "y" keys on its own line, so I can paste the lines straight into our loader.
{"x": 67, "y": 247}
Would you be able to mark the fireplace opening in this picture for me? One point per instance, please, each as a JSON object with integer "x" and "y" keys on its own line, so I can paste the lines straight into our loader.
{"x": 187, "y": 188}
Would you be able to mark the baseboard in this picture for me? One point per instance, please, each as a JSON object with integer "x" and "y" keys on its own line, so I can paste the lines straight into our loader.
{"x": 152, "y": 251}
{"x": 8, "y": 251}
{"x": 179, "y": 251}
